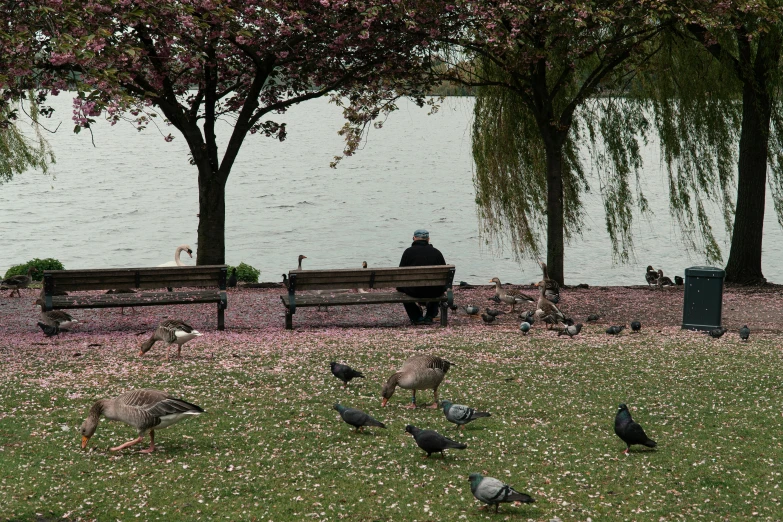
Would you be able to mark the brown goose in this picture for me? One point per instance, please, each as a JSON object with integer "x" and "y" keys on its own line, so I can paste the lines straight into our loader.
{"x": 56, "y": 318}
{"x": 17, "y": 282}
{"x": 552, "y": 287}
{"x": 510, "y": 297}
{"x": 299, "y": 267}
{"x": 145, "y": 410}
{"x": 651, "y": 276}
{"x": 663, "y": 280}
{"x": 420, "y": 372}
{"x": 547, "y": 311}
{"x": 171, "y": 331}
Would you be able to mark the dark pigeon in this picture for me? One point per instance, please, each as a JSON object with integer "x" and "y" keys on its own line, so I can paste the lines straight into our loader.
{"x": 717, "y": 333}
{"x": 614, "y": 330}
{"x": 492, "y": 491}
{"x": 453, "y": 307}
{"x": 678, "y": 281}
{"x": 344, "y": 372}
{"x": 570, "y": 330}
{"x": 461, "y": 415}
{"x": 232, "y": 279}
{"x": 489, "y": 319}
{"x": 493, "y": 312}
{"x": 49, "y": 331}
{"x": 466, "y": 285}
{"x": 629, "y": 431}
{"x": 432, "y": 441}
{"x": 636, "y": 326}
{"x": 744, "y": 333}
{"x": 592, "y": 317}
{"x": 357, "y": 418}
{"x": 524, "y": 327}
{"x": 529, "y": 317}
{"x": 495, "y": 298}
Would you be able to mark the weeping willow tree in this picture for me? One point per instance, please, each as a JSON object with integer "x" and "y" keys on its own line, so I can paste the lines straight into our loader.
{"x": 537, "y": 72}
{"x": 20, "y": 152}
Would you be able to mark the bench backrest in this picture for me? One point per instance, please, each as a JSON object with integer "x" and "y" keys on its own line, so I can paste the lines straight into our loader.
{"x": 137, "y": 278}
{"x": 391, "y": 277}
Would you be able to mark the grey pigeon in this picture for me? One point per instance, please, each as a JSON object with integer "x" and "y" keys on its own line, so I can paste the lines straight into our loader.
{"x": 717, "y": 333}
{"x": 524, "y": 327}
{"x": 471, "y": 310}
{"x": 432, "y": 441}
{"x": 636, "y": 326}
{"x": 344, "y": 372}
{"x": 614, "y": 330}
{"x": 48, "y": 330}
{"x": 461, "y": 415}
{"x": 744, "y": 333}
{"x": 232, "y": 279}
{"x": 529, "y": 317}
{"x": 629, "y": 431}
{"x": 489, "y": 319}
{"x": 492, "y": 491}
{"x": 592, "y": 317}
{"x": 357, "y": 418}
{"x": 570, "y": 330}
{"x": 678, "y": 280}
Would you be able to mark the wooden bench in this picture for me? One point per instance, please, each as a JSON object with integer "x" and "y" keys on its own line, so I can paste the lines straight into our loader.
{"x": 197, "y": 278}
{"x": 322, "y": 281}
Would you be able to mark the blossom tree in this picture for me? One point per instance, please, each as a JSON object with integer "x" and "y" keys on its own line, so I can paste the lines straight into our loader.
{"x": 198, "y": 61}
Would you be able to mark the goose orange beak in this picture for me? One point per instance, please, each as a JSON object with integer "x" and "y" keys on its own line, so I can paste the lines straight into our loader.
{"x": 384, "y": 401}
{"x": 85, "y": 440}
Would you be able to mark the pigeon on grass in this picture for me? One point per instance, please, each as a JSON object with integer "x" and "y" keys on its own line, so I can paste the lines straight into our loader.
{"x": 630, "y": 431}
{"x": 524, "y": 327}
{"x": 744, "y": 333}
{"x": 471, "y": 310}
{"x": 49, "y": 330}
{"x": 461, "y": 415}
{"x": 717, "y": 333}
{"x": 357, "y": 418}
{"x": 570, "y": 330}
{"x": 489, "y": 319}
{"x": 492, "y": 491}
{"x": 614, "y": 330}
{"x": 592, "y": 317}
{"x": 433, "y": 442}
{"x": 529, "y": 317}
{"x": 493, "y": 312}
{"x": 636, "y": 326}
{"x": 344, "y": 372}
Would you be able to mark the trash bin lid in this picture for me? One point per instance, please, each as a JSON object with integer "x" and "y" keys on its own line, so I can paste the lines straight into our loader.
{"x": 705, "y": 271}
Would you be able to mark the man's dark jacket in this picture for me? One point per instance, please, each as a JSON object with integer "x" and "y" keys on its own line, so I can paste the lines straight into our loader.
{"x": 421, "y": 253}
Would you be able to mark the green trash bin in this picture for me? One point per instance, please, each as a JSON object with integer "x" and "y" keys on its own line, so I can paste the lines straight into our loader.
{"x": 703, "y": 304}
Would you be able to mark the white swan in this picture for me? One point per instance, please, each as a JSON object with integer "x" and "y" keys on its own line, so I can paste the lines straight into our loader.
{"x": 177, "y": 261}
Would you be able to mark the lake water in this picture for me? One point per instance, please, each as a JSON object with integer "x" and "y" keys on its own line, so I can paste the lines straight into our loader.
{"x": 131, "y": 199}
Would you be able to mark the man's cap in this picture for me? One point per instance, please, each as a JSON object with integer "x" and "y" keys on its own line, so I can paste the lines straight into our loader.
{"x": 421, "y": 234}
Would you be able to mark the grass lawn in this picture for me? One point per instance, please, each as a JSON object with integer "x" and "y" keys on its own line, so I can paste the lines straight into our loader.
{"x": 270, "y": 446}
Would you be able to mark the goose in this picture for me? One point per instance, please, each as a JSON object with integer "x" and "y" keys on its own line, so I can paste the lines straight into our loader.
{"x": 56, "y": 318}
{"x": 663, "y": 280}
{"x": 511, "y": 297}
{"x": 420, "y": 372}
{"x": 145, "y": 410}
{"x": 17, "y": 282}
{"x": 171, "y": 331}
{"x": 177, "y": 261}
{"x": 651, "y": 276}
{"x": 546, "y": 309}
{"x": 299, "y": 267}
{"x": 552, "y": 287}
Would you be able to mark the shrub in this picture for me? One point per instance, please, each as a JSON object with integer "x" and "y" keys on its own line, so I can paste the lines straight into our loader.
{"x": 245, "y": 273}
{"x": 40, "y": 265}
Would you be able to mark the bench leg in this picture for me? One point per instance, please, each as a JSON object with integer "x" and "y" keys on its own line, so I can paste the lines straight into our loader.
{"x": 289, "y": 321}
{"x": 444, "y": 314}
{"x": 221, "y": 318}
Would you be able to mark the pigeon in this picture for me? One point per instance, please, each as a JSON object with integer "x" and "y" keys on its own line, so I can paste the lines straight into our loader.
{"x": 592, "y": 317}
{"x": 344, "y": 372}
{"x": 466, "y": 285}
{"x": 744, "y": 333}
{"x": 629, "y": 431}
{"x": 614, "y": 330}
{"x": 524, "y": 327}
{"x": 433, "y": 442}
{"x": 48, "y": 330}
{"x": 492, "y": 491}
{"x": 357, "y": 418}
{"x": 489, "y": 319}
{"x": 493, "y": 312}
{"x": 678, "y": 281}
{"x": 570, "y": 330}
{"x": 495, "y": 298}
{"x": 717, "y": 333}
{"x": 453, "y": 307}
{"x": 636, "y": 326}
{"x": 529, "y": 317}
{"x": 232, "y": 279}
{"x": 471, "y": 310}
{"x": 461, "y": 415}
{"x": 651, "y": 276}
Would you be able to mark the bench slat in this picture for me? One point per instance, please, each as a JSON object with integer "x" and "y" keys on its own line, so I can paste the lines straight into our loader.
{"x": 348, "y": 299}
{"x": 136, "y": 299}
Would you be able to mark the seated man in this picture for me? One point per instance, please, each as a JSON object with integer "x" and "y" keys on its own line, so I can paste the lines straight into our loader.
{"x": 421, "y": 253}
